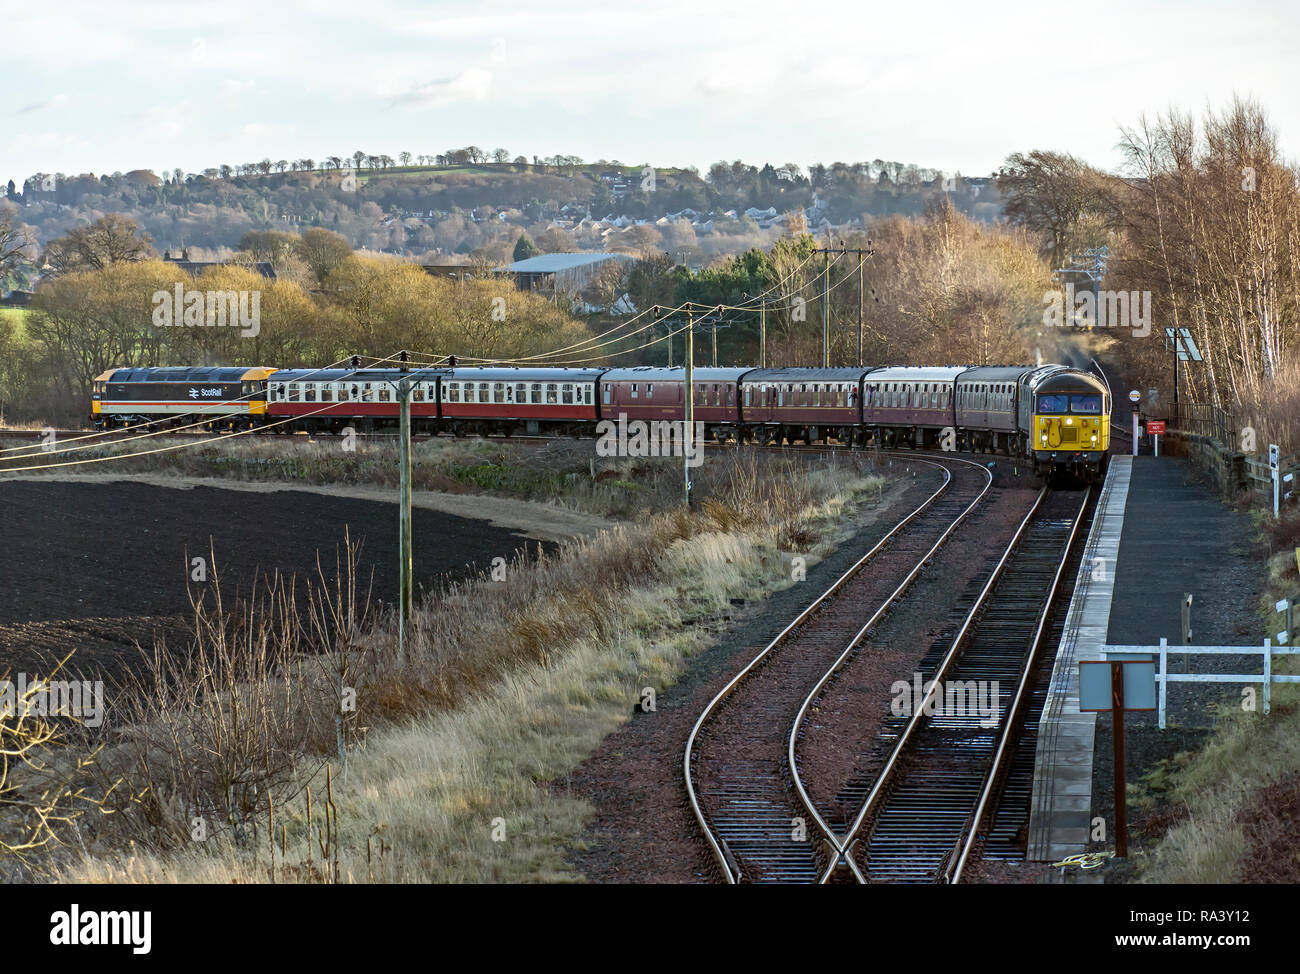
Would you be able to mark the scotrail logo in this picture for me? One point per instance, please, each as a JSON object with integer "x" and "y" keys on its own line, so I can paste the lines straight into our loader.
{"x": 208, "y": 309}
{"x": 955, "y": 698}
{"x": 637, "y": 438}
{"x": 1102, "y": 309}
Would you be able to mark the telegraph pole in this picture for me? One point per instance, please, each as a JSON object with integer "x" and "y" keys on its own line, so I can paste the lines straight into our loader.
{"x": 861, "y": 261}
{"x": 863, "y": 253}
{"x": 689, "y": 432}
{"x": 826, "y": 313}
{"x": 715, "y": 341}
{"x": 762, "y": 335}
{"x": 405, "y": 555}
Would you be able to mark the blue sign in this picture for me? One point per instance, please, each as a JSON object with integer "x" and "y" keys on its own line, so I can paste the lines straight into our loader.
{"x": 1095, "y": 689}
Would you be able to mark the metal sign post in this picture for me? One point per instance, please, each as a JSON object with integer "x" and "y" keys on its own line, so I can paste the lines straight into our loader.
{"x": 1155, "y": 427}
{"x": 1135, "y": 397}
{"x": 1275, "y": 472}
{"x": 1102, "y": 686}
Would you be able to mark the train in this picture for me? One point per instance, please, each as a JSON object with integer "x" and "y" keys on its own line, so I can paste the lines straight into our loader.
{"x": 1055, "y": 416}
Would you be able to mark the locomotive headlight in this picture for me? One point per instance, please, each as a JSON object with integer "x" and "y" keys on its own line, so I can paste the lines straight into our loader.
{"x": 1069, "y": 422}
{"x": 1044, "y": 437}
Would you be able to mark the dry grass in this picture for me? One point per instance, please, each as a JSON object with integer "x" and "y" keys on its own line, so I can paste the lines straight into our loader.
{"x": 509, "y": 685}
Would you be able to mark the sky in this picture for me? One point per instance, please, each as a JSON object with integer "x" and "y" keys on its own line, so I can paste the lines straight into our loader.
{"x": 102, "y": 87}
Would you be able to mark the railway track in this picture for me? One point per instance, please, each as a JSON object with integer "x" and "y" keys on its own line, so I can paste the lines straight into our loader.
{"x": 738, "y": 781}
{"x": 922, "y": 817}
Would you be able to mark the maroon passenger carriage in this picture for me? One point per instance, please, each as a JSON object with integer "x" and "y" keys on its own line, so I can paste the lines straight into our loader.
{"x": 651, "y": 394}
{"x": 812, "y": 405}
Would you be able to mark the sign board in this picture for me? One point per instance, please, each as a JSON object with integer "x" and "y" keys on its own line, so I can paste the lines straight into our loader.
{"x": 1156, "y": 426}
{"x": 1274, "y": 456}
{"x": 1094, "y": 685}
{"x": 1134, "y": 396}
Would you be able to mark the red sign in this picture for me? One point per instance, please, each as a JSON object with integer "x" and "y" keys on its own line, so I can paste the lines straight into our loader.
{"x": 1156, "y": 426}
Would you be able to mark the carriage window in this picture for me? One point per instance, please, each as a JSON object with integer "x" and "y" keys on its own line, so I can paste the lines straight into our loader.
{"x": 453, "y": 392}
{"x": 309, "y": 392}
{"x": 417, "y": 394}
{"x": 634, "y": 392}
{"x": 498, "y": 392}
{"x": 483, "y": 392}
{"x": 385, "y": 394}
{"x": 586, "y": 395}
{"x": 551, "y": 393}
{"x": 293, "y": 392}
{"x": 748, "y": 397}
{"x": 566, "y": 394}
{"x": 649, "y": 390}
{"x": 1085, "y": 404}
{"x": 535, "y": 395}
{"x": 469, "y": 392}
{"x": 326, "y": 393}
{"x": 606, "y": 400}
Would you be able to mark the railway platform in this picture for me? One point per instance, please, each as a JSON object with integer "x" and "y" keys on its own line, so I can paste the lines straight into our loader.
{"x": 1157, "y": 536}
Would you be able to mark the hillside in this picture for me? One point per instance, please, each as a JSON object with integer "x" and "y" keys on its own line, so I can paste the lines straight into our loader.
{"x": 458, "y": 210}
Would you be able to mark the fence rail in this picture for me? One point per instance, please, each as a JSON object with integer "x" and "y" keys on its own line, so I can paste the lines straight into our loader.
{"x": 1207, "y": 419}
{"x": 1251, "y": 472}
{"x": 1160, "y": 654}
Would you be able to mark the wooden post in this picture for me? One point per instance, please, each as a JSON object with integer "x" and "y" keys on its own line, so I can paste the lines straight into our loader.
{"x": 1117, "y": 715}
{"x": 762, "y": 335}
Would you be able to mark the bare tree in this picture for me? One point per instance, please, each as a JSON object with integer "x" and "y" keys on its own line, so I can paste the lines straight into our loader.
{"x": 109, "y": 240}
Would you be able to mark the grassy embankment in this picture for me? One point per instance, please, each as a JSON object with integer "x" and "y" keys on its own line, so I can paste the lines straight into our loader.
{"x": 1236, "y": 803}
{"x": 509, "y": 684}
{"x": 562, "y": 472}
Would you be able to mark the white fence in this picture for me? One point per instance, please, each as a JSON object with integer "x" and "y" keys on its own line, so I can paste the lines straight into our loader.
{"x": 1162, "y": 652}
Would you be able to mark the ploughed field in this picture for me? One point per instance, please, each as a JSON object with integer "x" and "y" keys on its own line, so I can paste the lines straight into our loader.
{"x": 98, "y": 567}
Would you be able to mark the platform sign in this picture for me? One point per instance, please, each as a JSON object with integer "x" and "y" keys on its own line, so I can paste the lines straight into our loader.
{"x": 1095, "y": 690}
{"x": 1117, "y": 686}
{"x": 1156, "y": 427}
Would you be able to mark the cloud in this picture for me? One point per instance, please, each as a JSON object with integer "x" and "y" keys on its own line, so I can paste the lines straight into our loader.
{"x": 40, "y": 106}
{"x": 472, "y": 84}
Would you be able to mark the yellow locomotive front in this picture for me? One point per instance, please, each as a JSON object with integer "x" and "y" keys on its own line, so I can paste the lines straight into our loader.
{"x": 1071, "y": 423}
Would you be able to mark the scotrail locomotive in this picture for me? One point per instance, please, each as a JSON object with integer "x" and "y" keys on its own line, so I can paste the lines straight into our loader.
{"x": 1056, "y": 416}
